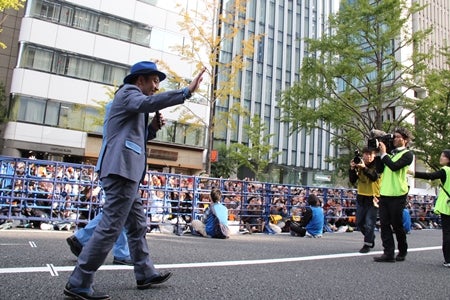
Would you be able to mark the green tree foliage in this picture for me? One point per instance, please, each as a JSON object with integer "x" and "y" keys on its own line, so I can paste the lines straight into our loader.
{"x": 258, "y": 154}
{"x": 226, "y": 165}
{"x": 356, "y": 79}
{"x": 98, "y": 119}
{"x": 432, "y": 131}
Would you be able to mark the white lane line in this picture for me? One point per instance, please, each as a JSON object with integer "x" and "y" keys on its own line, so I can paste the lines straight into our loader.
{"x": 32, "y": 244}
{"x": 53, "y": 270}
{"x": 56, "y": 269}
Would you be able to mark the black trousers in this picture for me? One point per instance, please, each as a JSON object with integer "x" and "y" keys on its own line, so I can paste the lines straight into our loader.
{"x": 391, "y": 221}
{"x": 445, "y": 222}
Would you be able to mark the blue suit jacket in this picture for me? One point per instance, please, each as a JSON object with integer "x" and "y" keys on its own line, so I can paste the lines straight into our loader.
{"x": 126, "y": 131}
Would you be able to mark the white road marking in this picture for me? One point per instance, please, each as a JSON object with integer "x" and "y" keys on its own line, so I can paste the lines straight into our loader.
{"x": 53, "y": 270}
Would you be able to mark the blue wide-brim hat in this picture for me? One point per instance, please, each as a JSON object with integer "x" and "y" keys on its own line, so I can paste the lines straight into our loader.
{"x": 144, "y": 68}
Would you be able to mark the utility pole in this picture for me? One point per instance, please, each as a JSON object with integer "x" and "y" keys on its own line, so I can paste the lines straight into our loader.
{"x": 214, "y": 84}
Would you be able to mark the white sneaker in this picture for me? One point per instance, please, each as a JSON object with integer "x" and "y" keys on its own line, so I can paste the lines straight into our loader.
{"x": 46, "y": 226}
{"x": 6, "y": 225}
{"x": 446, "y": 264}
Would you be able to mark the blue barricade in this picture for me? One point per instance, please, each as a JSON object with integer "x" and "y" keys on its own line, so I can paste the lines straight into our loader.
{"x": 62, "y": 195}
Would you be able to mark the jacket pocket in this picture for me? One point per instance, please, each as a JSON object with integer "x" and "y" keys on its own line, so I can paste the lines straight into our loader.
{"x": 133, "y": 146}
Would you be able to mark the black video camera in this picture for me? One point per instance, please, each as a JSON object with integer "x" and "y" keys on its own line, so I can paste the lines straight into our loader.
{"x": 357, "y": 158}
{"x": 387, "y": 139}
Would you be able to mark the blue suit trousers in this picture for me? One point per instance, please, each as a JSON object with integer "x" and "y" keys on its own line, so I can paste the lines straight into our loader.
{"x": 120, "y": 249}
{"x": 123, "y": 207}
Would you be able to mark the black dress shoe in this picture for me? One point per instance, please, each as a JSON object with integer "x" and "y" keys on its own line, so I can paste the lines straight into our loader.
{"x": 158, "y": 279}
{"x": 75, "y": 245}
{"x": 69, "y": 291}
{"x": 123, "y": 261}
{"x": 364, "y": 249}
{"x": 384, "y": 258}
{"x": 400, "y": 257}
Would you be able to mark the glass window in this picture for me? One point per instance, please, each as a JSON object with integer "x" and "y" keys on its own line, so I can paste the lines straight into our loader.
{"x": 37, "y": 59}
{"x": 141, "y": 36}
{"x": 106, "y": 73}
{"x": 52, "y": 113}
{"x": 49, "y": 60}
{"x": 66, "y": 15}
{"x": 114, "y": 28}
{"x": 85, "y": 20}
{"x": 60, "y": 63}
{"x": 194, "y": 135}
{"x": 46, "y": 10}
{"x": 31, "y": 110}
{"x": 92, "y": 120}
{"x": 116, "y": 75}
{"x": 91, "y": 21}
{"x": 99, "y": 73}
{"x": 78, "y": 67}
{"x": 180, "y": 135}
{"x": 71, "y": 116}
{"x": 167, "y": 132}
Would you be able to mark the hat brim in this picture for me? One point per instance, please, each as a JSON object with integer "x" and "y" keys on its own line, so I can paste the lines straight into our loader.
{"x": 129, "y": 78}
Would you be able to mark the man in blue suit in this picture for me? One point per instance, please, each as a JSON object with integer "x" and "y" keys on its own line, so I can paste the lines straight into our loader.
{"x": 121, "y": 251}
{"x": 122, "y": 166}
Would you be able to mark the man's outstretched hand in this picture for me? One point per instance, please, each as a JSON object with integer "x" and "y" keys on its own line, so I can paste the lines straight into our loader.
{"x": 196, "y": 82}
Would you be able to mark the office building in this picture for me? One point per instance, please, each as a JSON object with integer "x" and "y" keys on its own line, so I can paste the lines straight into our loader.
{"x": 67, "y": 57}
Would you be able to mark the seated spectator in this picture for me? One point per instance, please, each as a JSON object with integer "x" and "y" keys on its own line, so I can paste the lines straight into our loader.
{"x": 418, "y": 217}
{"x": 231, "y": 205}
{"x": 312, "y": 220}
{"x": 160, "y": 210}
{"x": 278, "y": 214}
{"x": 253, "y": 216}
{"x": 218, "y": 213}
{"x": 336, "y": 217}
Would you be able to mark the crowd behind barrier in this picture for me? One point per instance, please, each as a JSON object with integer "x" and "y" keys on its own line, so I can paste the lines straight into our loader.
{"x": 63, "y": 196}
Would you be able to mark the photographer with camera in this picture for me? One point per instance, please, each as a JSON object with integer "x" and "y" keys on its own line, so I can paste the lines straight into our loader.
{"x": 393, "y": 193}
{"x": 364, "y": 173}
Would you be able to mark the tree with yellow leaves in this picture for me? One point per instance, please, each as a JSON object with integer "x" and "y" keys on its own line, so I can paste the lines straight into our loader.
{"x": 206, "y": 30}
{"x": 8, "y": 4}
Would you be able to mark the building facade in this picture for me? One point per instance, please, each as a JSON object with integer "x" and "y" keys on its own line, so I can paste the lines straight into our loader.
{"x": 65, "y": 58}
{"x": 436, "y": 14}
{"x": 273, "y": 68}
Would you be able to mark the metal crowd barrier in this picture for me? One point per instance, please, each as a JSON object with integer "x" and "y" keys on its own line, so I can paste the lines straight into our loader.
{"x": 59, "y": 195}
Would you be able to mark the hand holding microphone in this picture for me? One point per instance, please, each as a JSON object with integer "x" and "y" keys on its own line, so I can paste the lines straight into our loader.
{"x": 158, "y": 121}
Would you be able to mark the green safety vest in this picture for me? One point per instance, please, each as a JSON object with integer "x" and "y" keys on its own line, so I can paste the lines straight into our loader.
{"x": 441, "y": 206}
{"x": 394, "y": 183}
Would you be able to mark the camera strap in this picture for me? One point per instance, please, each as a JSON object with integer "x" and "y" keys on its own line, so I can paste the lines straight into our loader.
{"x": 444, "y": 190}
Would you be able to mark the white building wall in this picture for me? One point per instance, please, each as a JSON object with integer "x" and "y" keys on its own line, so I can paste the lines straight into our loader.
{"x": 165, "y": 34}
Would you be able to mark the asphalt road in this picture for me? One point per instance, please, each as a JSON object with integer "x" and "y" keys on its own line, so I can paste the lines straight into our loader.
{"x": 36, "y": 264}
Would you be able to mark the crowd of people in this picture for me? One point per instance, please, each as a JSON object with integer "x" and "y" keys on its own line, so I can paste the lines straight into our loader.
{"x": 56, "y": 195}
